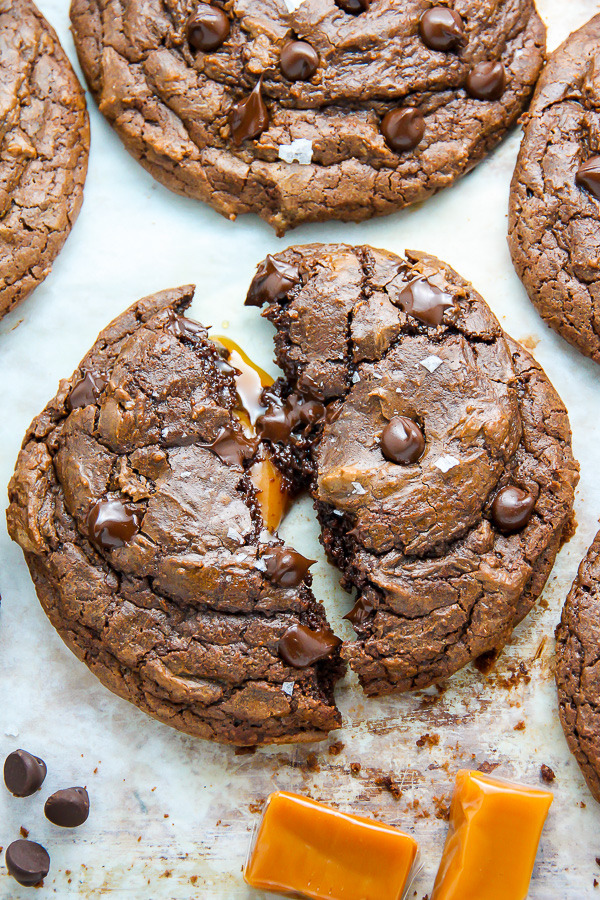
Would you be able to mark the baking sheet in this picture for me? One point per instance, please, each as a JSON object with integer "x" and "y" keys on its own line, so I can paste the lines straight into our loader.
{"x": 172, "y": 816}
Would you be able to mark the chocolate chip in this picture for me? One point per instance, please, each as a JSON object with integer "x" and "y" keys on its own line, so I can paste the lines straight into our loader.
{"x": 286, "y": 567}
{"x": 403, "y": 128}
{"x": 360, "y": 612}
{"x": 27, "y": 862}
{"x": 486, "y": 81}
{"x": 24, "y": 773}
{"x": 353, "y": 7}
{"x": 512, "y": 509}
{"x": 112, "y": 523}
{"x": 232, "y": 447}
{"x": 207, "y": 28}
{"x": 442, "y": 29}
{"x": 274, "y": 279}
{"x": 402, "y": 441}
{"x": 278, "y": 422}
{"x": 298, "y": 61}
{"x": 182, "y": 327}
{"x": 588, "y": 176}
{"x": 86, "y": 391}
{"x": 249, "y": 118}
{"x": 301, "y": 646}
{"x": 68, "y": 808}
{"x": 425, "y": 301}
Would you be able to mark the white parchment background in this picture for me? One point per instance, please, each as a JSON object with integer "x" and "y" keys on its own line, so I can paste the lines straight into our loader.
{"x": 171, "y": 816}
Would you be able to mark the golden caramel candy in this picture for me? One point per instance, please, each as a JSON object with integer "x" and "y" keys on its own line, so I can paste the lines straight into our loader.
{"x": 311, "y": 850}
{"x": 492, "y": 840}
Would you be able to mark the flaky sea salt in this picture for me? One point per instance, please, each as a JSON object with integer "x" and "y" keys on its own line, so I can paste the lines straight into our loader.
{"x": 355, "y": 378}
{"x": 431, "y": 363}
{"x": 293, "y": 4}
{"x": 288, "y": 688}
{"x": 357, "y": 488}
{"x": 235, "y": 535}
{"x": 300, "y": 151}
{"x": 445, "y": 463}
{"x": 337, "y": 512}
{"x": 261, "y": 565}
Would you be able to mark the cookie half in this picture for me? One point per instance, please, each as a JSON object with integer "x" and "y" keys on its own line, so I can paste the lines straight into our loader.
{"x": 443, "y": 475}
{"x": 309, "y": 111}
{"x": 140, "y": 525}
{"x": 44, "y": 149}
{"x": 578, "y": 668}
{"x": 554, "y": 218}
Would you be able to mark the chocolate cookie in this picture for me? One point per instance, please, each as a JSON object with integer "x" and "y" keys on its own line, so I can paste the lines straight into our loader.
{"x": 133, "y": 502}
{"x": 554, "y": 222}
{"x": 45, "y": 144}
{"x": 578, "y": 668}
{"x": 442, "y": 470}
{"x": 309, "y": 111}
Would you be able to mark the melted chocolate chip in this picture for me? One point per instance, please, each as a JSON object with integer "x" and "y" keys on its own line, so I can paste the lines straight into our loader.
{"x": 588, "y": 176}
{"x": 273, "y": 281}
{"x": 249, "y": 118}
{"x": 182, "y": 327}
{"x": 486, "y": 81}
{"x": 402, "y": 441}
{"x": 24, "y": 773}
{"x": 425, "y": 301}
{"x": 27, "y": 862}
{"x": 280, "y": 420}
{"x": 360, "y": 612}
{"x": 232, "y": 447}
{"x": 301, "y": 646}
{"x": 512, "y": 509}
{"x": 68, "y": 808}
{"x": 299, "y": 61}
{"x": 286, "y": 567}
{"x": 442, "y": 29}
{"x": 86, "y": 391}
{"x": 353, "y": 7}
{"x": 207, "y": 28}
{"x": 112, "y": 523}
{"x": 403, "y": 129}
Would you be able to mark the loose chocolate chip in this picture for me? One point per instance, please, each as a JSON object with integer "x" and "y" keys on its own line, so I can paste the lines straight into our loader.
{"x": 68, "y": 808}
{"x": 512, "y": 509}
{"x": 112, "y": 523}
{"x": 286, "y": 567}
{"x": 278, "y": 422}
{"x": 249, "y": 118}
{"x": 301, "y": 646}
{"x": 353, "y": 7}
{"x": 27, "y": 862}
{"x": 232, "y": 447}
{"x": 182, "y": 327}
{"x": 486, "y": 81}
{"x": 298, "y": 61}
{"x": 403, "y": 129}
{"x": 273, "y": 281}
{"x": 425, "y": 301}
{"x": 360, "y": 612}
{"x": 23, "y": 773}
{"x": 402, "y": 441}
{"x": 86, "y": 391}
{"x": 588, "y": 176}
{"x": 442, "y": 29}
{"x": 207, "y": 28}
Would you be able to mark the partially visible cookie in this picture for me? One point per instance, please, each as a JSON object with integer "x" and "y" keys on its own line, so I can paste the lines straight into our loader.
{"x": 133, "y": 503}
{"x": 307, "y": 111}
{"x": 554, "y": 220}
{"x": 578, "y": 668}
{"x": 43, "y": 151}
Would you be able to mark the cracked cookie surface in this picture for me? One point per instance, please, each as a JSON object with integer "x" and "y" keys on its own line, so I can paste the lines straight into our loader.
{"x": 218, "y": 101}
{"x": 554, "y": 219}
{"x": 147, "y": 547}
{"x": 44, "y": 149}
{"x": 578, "y": 668}
{"x": 448, "y": 545}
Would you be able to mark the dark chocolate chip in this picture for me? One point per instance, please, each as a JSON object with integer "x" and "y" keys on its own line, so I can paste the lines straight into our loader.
{"x": 425, "y": 301}
{"x": 68, "y": 808}
{"x": 112, "y": 523}
{"x": 280, "y": 419}
{"x": 299, "y": 61}
{"x": 250, "y": 117}
{"x": 207, "y": 28}
{"x": 360, "y": 612}
{"x": 24, "y": 773}
{"x": 353, "y": 7}
{"x": 182, "y": 327}
{"x": 486, "y": 81}
{"x": 588, "y": 176}
{"x": 442, "y": 29}
{"x": 402, "y": 441}
{"x": 27, "y": 862}
{"x": 512, "y": 509}
{"x": 86, "y": 391}
{"x": 286, "y": 567}
{"x": 403, "y": 128}
{"x": 232, "y": 447}
{"x": 274, "y": 279}
{"x": 301, "y": 646}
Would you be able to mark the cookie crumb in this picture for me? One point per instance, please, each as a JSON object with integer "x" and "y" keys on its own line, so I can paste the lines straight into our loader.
{"x": 547, "y": 774}
{"x": 428, "y": 740}
{"x": 389, "y": 783}
{"x": 487, "y": 767}
{"x": 520, "y": 726}
{"x": 355, "y": 768}
{"x": 24, "y": 831}
{"x": 336, "y": 749}
{"x": 312, "y": 763}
